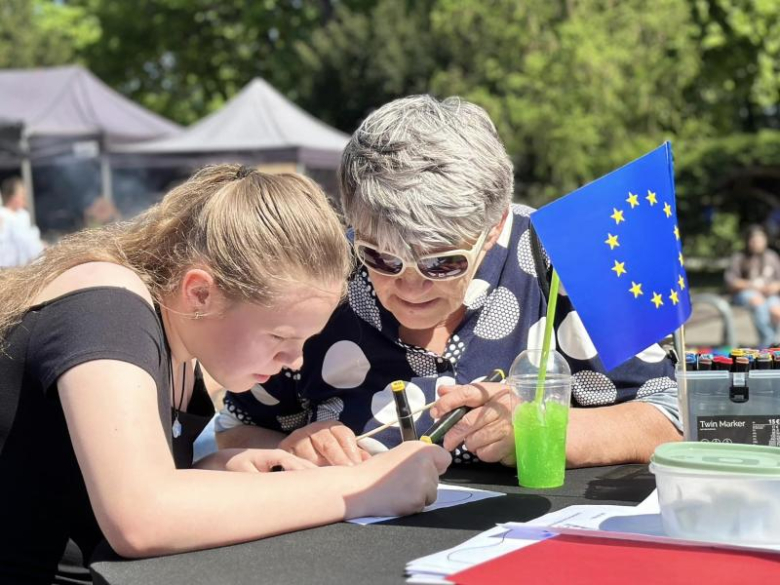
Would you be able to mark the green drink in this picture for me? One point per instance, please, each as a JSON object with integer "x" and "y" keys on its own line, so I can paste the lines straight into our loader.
{"x": 540, "y": 443}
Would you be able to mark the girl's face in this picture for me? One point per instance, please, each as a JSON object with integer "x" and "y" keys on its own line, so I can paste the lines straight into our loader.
{"x": 247, "y": 343}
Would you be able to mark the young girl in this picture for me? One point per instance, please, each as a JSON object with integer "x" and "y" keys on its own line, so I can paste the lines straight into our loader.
{"x": 100, "y": 341}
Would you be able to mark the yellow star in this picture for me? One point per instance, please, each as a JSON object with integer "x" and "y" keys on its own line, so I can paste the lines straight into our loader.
{"x": 676, "y": 233}
{"x": 636, "y": 289}
{"x": 633, "y": 200}
{"x": 657, "y": 300}
{"x": 681, "y": 282}
{"x": 680, "y": 258}
{"x": 612, "y": 241}
{"x": 619, "y": 268}
{"x": 651, "y": 197}
{"x": 673, "y": 297}
{"x": 617, "y": 215}
{"x": 668, "y": 210}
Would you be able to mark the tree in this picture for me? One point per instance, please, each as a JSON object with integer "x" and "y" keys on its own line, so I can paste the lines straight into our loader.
{"x": 739, "y": 82}
{"x": 42, "y": 33}
{"x": 367, "y": 56}
{"x": 575, "y": 87}
{"x": 185, "y": 58}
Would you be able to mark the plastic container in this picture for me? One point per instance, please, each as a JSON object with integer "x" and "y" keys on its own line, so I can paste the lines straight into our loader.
{"x": 718, "y": 407}
{"x": 719, "y": 492}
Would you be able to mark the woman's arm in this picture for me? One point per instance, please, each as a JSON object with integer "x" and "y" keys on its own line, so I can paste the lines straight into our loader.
{"x": 608, "y": 435}
{"x": 145, "y": 506}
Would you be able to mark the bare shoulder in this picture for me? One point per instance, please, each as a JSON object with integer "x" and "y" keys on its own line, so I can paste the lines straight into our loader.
{"x": 92, "y": 274}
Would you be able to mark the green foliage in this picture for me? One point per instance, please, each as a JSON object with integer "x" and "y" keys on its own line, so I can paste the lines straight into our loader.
{"x": 723, "y": 184}
{"x": 364, "y": 58}
{"x": 575, "y": 88}
{"x": 739, "y": 40}
{"x": 185, "y": 58}
{"x": 42, "y": 33}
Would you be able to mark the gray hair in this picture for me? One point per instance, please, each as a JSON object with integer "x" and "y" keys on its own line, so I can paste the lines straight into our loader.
{"x": 420, "y": 174}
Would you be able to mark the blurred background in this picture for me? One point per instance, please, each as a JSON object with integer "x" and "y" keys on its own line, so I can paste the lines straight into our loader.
{"x": 106, "y": 104}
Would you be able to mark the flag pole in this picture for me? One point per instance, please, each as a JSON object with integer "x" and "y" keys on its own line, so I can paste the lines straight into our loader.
{"x": 682, "y": 382}
{"x": 548, "y": 329}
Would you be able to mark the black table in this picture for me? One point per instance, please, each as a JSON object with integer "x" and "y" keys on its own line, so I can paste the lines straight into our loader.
{"x": 378, "y": 553}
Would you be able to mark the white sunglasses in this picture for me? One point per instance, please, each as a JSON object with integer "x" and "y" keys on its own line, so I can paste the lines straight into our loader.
{"x": 438, "y": 266}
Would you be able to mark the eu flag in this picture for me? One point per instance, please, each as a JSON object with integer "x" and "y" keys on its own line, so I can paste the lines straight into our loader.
{"x": 616, "y": 247}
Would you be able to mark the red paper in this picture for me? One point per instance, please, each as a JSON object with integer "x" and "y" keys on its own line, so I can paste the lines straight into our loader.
{"x": 574, "y": 560}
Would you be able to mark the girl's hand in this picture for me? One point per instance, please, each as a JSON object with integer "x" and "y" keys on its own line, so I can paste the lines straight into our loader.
{"x": 253, "y": 460}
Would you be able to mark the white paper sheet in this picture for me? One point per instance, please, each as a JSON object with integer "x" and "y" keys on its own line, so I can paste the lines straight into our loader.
{"x": 449, "y": 495}
{"x": 640, "y": 523}
{"x": 479, "y": 549}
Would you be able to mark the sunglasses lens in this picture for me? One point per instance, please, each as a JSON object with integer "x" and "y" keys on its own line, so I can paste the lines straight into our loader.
{"x": 442, "y": 267}
{"x": 379, "y": 261}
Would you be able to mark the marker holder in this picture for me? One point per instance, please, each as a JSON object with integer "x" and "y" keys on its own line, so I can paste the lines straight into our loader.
{"x": 731, "y": 407}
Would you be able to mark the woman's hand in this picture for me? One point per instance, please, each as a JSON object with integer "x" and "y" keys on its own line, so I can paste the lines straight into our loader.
{"x": 253, "y": 460}
{"x": 399, "y": 482}
{"x": 325, "y": 443}
{"x": 487, "y": 429}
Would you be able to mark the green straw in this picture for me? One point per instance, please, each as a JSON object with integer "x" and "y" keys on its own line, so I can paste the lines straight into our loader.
{"x": 548, "y": 329}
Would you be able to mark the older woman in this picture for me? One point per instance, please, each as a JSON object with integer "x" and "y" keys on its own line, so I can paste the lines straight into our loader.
{"x": 447, "y": 291}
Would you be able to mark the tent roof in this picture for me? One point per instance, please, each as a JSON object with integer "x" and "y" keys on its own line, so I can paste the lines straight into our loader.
{"x": 70, "y": 101}
{"x": 257, "y": 118}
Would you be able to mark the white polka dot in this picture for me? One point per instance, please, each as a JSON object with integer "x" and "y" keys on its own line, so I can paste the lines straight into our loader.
{"x": 593, "y": 389}
{"x": 331, "y": 409}
{"x": 423, "y": 364}
{"x": 573, "y": 340}
{"x": 562, "y": 291}
{"x": 372, "y": 445}
{"x": 226, "y": 420}
{"x": 506, "y": 231}
{"x": 383, "y": 403}
{"x": 262, "y": 396}
{"x": 345, "y": 365}
{"x": 655, "y": 385}
{"x": 444, "y": 381}
{"x": 536, "y": 335}
{"x": 291, "y": 422}
{"x": 363, "y": 302}
{"x": 476, "y": 294}
{"x": 522, "y": 210}
{"x": 524, "y": 256}
{"x": 240, "y": 414}
{"x": 652, "y": 355}
{"x": 499, "y": 316}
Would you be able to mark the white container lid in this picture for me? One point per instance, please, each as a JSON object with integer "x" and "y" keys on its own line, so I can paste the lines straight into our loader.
{"x": 721, "y": 458}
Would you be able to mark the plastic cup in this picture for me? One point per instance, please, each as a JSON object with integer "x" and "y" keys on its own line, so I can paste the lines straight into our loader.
{"x": 540, "y": 418}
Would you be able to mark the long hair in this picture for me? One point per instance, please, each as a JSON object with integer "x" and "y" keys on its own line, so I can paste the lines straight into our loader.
{"x": 256, "y": 233}
{"x": 753, "y": 262}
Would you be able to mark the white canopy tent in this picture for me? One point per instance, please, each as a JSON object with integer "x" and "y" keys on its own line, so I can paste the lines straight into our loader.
{"x": 258, "y": 125}
{"x": 66, "y": 111}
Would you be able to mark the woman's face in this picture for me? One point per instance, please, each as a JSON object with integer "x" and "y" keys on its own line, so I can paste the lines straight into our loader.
{"x": 247, "y": 343}
{"x": 419, "y": 303}
{"x": 757, "y": 243}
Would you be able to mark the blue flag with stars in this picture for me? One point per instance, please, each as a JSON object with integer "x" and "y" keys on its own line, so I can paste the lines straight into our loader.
{"x": 616, "y": 247}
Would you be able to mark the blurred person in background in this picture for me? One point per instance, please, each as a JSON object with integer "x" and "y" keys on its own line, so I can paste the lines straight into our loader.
{"x": 753, "y": 277}
{"x": 100, "y": 212}
{"x": 20, "y": 240}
